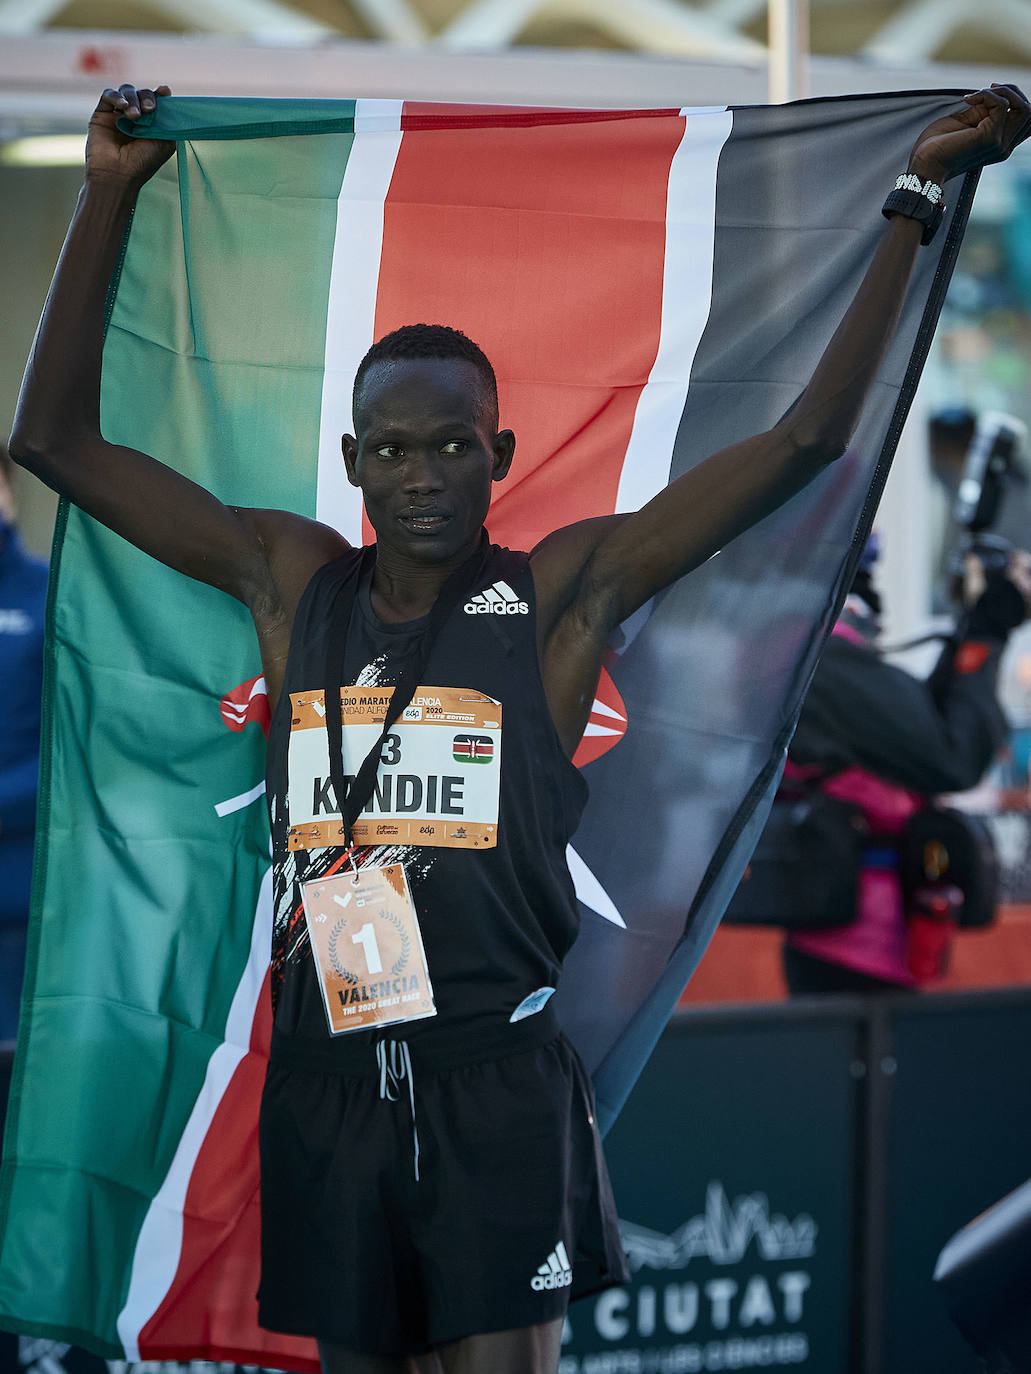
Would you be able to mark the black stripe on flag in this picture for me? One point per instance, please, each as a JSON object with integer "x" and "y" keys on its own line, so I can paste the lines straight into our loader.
{"x": 722, "y": 663}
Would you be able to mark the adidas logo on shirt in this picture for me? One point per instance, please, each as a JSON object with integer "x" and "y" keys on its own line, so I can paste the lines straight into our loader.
{"x": 499, "y": 599}
{"x": 555, "y": 1272}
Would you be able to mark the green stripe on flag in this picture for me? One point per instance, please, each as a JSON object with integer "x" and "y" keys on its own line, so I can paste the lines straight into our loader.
{"x": 200, "y": 117}
{"x": 134, "y": 867}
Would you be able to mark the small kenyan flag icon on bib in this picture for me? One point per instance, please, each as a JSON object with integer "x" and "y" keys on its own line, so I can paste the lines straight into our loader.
{"x": 473, "y": 749}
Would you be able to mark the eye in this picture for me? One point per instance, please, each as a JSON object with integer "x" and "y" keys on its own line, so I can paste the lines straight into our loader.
{"x": 455, "y": 447}
{"x": 390, "y": 451}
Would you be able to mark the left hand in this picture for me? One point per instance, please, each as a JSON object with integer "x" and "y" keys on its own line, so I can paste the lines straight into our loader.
{"x": 995, "y": 121}
{"x": 112, "y": 155}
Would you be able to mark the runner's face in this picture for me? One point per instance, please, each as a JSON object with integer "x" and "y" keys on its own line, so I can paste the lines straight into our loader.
{"x": 425, "y": 457}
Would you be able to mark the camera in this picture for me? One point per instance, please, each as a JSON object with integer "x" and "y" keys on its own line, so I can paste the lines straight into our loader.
{"x": 992, "y": 464}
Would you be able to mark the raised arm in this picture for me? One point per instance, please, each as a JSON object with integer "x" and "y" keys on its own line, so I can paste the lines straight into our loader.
{"x": 590, "y": 577}
{"x": 638, "y": 555}
{"x": 250, "y": 554}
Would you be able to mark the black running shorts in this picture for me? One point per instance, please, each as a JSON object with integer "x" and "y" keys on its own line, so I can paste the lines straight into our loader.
{"x": 511, "y": 1214}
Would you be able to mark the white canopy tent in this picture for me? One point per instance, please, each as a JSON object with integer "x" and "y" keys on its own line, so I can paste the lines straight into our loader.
{"x": 672, "y": 50}
{"x": 908, "y": 32}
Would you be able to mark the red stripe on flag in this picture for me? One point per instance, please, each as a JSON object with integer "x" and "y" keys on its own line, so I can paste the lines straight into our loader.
{"x": 513, "y": 235}
{"x": 210, "y": 1304}
{"x": 420, "y": 115}
{"x": 561, "y": 284}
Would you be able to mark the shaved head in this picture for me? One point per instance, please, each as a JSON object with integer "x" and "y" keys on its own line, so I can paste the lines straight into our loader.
{"x": 439, "y": 341}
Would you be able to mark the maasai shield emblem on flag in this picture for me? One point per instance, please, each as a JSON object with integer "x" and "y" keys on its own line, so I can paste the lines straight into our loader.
{"x": 650, "y": 286}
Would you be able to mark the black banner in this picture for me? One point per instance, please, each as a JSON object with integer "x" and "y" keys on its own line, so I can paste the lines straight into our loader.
{"x": 36, "y": 1355}
{"x": 959, "y": 1138}
{"x": 733, "y": 1165}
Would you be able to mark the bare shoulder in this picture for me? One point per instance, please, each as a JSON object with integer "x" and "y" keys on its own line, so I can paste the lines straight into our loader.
{"x": 291, "y": 549}
{"x": 294, "y": 547}
{"x": 558, "y": 563}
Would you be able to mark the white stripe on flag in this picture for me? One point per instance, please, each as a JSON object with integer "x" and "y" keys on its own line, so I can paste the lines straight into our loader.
{"x": 156, "y": 1258}
{"x": 590, "y": 891}
{"x": 686, "y": 299}
{"x": 351, "y": 308}
{"x": 226, "y": 808}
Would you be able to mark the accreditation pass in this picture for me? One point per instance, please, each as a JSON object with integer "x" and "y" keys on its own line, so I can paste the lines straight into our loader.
{"x": 438, "y": 781}
{"x": 367, "y": 945}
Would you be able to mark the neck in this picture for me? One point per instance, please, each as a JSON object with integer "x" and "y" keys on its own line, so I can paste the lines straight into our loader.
{"x": 405, "y": 590}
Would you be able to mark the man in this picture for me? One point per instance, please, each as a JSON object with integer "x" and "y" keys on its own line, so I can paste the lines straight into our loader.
{"x": 23, "y": 593}
{"x": 887, "y": 741}
{"x": 432, "y": 1196}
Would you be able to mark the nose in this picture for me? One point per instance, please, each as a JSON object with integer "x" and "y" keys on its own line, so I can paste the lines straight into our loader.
{"x": 422, "y": 473}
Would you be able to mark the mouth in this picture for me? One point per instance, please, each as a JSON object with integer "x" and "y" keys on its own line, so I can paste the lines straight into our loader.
{"x": 424, "y": 521}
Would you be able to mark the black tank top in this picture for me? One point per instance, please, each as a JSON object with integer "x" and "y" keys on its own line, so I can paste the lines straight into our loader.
{"x": 496, "y": 922}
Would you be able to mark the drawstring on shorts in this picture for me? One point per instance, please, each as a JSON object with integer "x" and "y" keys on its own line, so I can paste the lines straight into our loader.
{"x": 395, "y": 1066}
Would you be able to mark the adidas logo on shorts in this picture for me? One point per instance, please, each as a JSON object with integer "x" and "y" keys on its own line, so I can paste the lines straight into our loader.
{"x": 498, "y": 599}
{"x": 555, "y": 1272}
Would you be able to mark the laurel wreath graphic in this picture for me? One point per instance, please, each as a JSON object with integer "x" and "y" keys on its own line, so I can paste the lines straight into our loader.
{"x": 406, "y": 942}
{"x": 334, "y": 956}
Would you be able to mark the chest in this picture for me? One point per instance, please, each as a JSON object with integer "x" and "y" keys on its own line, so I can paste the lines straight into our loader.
{"x": 475, "y": 717}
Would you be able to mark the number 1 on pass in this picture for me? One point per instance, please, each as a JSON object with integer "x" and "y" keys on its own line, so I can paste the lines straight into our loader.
{"x": 366, "y": 937}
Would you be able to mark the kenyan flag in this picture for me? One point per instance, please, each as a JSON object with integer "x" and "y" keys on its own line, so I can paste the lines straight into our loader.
{"x": 650, "y": 285}
{"x": 473, "y": 749}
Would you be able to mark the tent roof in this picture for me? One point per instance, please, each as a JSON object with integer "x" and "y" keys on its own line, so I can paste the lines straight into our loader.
{"x": 898, "y": 31}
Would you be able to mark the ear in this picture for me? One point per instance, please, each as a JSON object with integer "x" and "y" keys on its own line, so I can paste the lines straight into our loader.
{"x": 349, "y": 448}
{"x": 504, "y": 448}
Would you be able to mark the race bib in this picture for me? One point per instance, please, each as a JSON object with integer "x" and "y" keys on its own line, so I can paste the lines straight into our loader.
{"x": 367, "y": 946}
{"x": 439, "y": 776}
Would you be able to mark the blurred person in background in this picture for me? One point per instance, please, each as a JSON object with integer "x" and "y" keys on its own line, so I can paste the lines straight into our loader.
{"x": 886, "y": 742}
{"x": 951, "y": 434}
{"x": 23, "y": 585}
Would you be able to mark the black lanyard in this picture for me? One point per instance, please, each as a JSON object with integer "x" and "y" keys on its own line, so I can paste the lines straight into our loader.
{"x": 353, "y": 796}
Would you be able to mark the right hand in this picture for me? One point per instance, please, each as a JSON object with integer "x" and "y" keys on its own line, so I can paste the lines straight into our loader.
{"x": 995, "y": 121}
{"x": 1019, "y": 573}
{"x": 112, "y": 155}
{"x": 992, "y": 605}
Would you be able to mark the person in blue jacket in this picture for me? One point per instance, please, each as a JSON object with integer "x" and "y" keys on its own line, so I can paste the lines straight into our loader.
{"x": 23, "y": 589}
